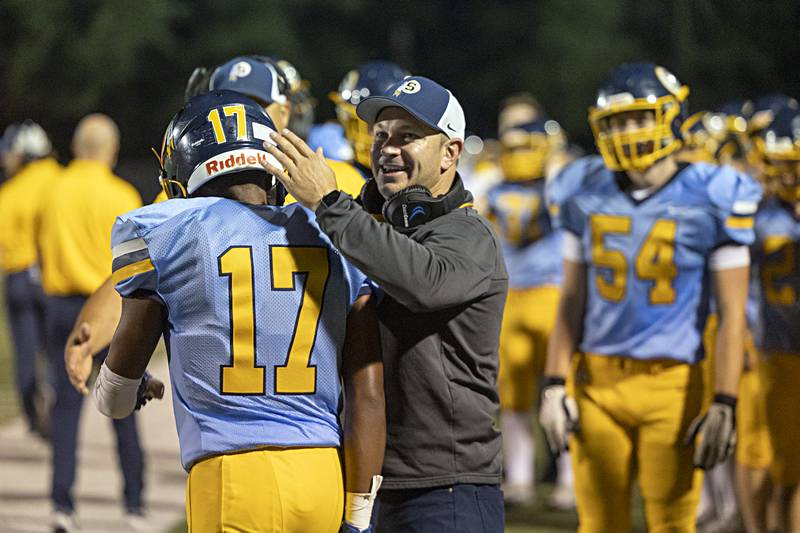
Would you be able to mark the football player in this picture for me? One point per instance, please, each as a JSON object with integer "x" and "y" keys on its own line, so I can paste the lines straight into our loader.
{"x": 647, "y": 241}
{"x": 29, "y": 164}
{"x": 258, "y": 77}
{"x": 775, "y": 256}
{"x": 532, "y": 252}
{"x": 370, "y": 78}
{"x": 262, "y": 318}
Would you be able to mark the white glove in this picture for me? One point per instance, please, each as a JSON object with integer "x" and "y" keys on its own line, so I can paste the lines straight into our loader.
{"x": 718, "y": 429}
{"x": 558, "y": 414}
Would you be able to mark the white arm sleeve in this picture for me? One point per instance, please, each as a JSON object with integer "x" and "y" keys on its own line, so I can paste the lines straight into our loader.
{"x": 115, "y": 395}
{"x": 572, "y": 248}
{"x": 730, "y": 256}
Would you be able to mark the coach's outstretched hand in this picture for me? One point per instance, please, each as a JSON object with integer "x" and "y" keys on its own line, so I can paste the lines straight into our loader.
{"x": 78, "y": 358}
{"x": 558, "y": 414}
{"x": 718, "y": 429}
{"x": 305, "y": 174}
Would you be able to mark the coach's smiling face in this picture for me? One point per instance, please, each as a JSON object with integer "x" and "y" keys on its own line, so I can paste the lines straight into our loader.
{"x": 407, "y": 152}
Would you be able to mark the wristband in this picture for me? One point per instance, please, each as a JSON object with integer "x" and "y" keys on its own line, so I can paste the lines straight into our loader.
{"x": 725, "y": 399}
{"x": 358, "y": 505}
{"x": 553, "y": 380}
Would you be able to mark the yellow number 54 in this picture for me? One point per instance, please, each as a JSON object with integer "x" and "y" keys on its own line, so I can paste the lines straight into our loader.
{"x": 655, "y": 261}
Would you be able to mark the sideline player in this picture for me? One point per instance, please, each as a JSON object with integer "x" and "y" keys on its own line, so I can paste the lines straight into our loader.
{"x": 368, "y": 79}
{"x": 258, "y": 77}
{"x": 254, "y": 303}
{"x": 28, "y": 162}
{"x": 647, "y": 240}
{"x": 776, "y": 258}
{"x": 532, "y": 252}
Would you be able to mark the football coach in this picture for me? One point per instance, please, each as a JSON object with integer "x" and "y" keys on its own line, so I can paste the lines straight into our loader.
{"x": 444, "y": 283}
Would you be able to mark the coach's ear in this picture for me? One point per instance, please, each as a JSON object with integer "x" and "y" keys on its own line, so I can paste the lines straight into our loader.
{"x": 451, "y": 151}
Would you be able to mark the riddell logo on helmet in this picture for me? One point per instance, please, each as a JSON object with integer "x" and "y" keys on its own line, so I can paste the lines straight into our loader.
{"x": 234, "y": 161}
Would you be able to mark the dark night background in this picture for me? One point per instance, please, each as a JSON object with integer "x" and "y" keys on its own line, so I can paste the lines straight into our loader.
{"x": 130, "y": 59}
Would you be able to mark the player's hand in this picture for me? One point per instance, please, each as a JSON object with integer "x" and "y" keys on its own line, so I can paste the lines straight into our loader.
{"x": 349, "y": 528}
{"x": 305, "y": 174}
{"x": 78, "y": 357}
{"x": 718, "y": 432}
{"x": 558, "y": 414}
{"x": 149, "y": 388}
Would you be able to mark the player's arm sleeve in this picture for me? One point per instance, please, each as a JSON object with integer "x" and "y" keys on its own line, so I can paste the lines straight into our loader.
{"x": 736, "y": 197}
{"x": 560, "y": 188}
{"x": 454, "y": 265}
{"x": 132, "y": 266}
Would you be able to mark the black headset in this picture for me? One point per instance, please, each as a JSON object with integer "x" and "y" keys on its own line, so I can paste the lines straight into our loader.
{"x": 414, "y": 205}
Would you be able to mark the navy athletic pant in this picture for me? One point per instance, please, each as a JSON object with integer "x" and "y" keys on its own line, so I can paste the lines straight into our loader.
{"x": 25, "y": 303}
{"x": 455, "y": 509}
{"x": 60, "y": 315}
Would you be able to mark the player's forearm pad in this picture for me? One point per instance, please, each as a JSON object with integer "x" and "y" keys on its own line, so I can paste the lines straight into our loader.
{"x": 115, "y": 395}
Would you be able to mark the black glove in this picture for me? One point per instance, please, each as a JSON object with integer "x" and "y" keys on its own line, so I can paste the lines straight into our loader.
{"x": 149, "y": 388}
{"x": 718, "y": 429}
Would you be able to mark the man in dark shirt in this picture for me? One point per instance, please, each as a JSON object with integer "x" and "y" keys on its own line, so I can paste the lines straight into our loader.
{"x": 441, "y": 268}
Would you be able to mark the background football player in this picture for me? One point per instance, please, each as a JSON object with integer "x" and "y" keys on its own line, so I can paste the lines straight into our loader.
{"x": 30, "y": 167}
{"x": 646, "y": 241}
{"x": 776, "y": 259}
{"x": 532, "y": 251}
{"x": 370, "y": 78}
{"x": 253, "y": 301}
{"x": 258, "y": 77}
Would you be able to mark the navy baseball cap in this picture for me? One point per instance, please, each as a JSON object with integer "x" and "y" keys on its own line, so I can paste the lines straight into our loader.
{"x": 251, "y": 77}
{"x": 426, "y": 100}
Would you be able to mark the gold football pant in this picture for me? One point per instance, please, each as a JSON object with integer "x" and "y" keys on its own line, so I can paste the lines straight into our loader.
{"x": 633, "y": 419}
{"x": 528, "y": 319}
{"x": 782, "y": 392}
{"x": 269, "y": 490}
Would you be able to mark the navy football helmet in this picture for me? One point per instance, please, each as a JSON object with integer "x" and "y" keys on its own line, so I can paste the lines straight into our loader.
{"x": 734, "y": 144}
{"x": 216, "y": 133}
{"x": 639, "y": 87}
{"x": 779, "y": 148}
{"x": 766, "y": 108}
{"x": 259, "y": 77}
{"x": 702, "y": 133}
{"x": 369, "y": 79}
{"x": 525, "y": 149}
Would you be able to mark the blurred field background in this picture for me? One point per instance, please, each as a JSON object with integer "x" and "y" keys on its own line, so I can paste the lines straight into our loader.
{"x": 130, "y": 59}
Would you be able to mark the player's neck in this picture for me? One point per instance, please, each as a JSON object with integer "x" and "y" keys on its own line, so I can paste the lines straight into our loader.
{"x": 247, "y": 193}
{"x": 654, "y": 176}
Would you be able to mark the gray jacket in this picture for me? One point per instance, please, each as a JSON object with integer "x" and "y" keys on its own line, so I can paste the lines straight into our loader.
{"x": 445, "y": 287}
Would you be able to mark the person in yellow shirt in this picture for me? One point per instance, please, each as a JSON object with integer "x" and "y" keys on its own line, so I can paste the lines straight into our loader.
{"x": 78, "y": 212}
{"x": 27, "y": 160}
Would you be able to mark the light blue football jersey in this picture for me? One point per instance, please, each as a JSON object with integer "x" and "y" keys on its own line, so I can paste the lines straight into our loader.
{"x": 531, "y": 247}
{"x": 647, "y": 261}
{"x": 775, "y": 260}
{"x": 255, "y": 324}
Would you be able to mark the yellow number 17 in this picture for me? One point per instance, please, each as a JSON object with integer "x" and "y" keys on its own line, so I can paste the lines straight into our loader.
{"x": 236, "y": 110}
{"x": 296, "y": 375}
